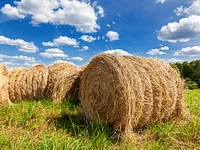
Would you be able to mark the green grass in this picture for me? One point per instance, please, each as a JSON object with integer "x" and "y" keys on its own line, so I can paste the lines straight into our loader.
{"x": 44, "y": 125}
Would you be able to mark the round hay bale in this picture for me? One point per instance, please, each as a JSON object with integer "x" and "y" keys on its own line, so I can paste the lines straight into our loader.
{"x": 14, "y": 83}
{"x": 64, "y": 83}
{"x": 36, "y": 82}
{"x": 130, "y": 92}
{"x": 60, "y": 80}
{"x": 4, "y": 96}
{"x": 27, "y": 84}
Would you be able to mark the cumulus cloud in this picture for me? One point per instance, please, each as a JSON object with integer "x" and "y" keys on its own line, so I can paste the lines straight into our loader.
{"x": 194, "y": 9}
{"x": 189, "y": 52}
{"x": 20, "y": 57}
{"x": 182, "y": 31}
{"x": 80, "y": 14}
{"x": 175, "y": 60}
{"x": 158, "y": 51}
{"x": 62, "y": 40}
{"x": 118, "y": 52}
{"x": 18, "y": 61}
{"x": 87, "y": 38}
{"x": 76, "y": 58}
{"x": 53, "y": 53}
{"x": 21, "y": 45}
{"x": 85, "y": 48}
{"x": 59, "y": 61}
{"x": 112, "y": 35}
{"x": 160, "y": 1}
{"x": 12, "y": 12}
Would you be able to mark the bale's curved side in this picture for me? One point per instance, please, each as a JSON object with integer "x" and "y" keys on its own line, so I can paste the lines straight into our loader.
{"x": 129, "y": 92}
{"x": 36, "y": 82}
{"x": 18, "y": 84}
{"x": 4, "y": 84}
{"x": 60, "y": 80}
{"x": 64, "y": 83}
{"x": 104, "y": 94}
{"x": 14, "y": 83}
{"x": 27, "y": 84}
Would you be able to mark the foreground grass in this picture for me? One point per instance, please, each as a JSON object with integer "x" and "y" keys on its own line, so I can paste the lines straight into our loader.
{"x": 46, "y": 126}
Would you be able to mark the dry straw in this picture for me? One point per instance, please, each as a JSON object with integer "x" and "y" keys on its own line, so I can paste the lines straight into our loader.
{"x": 27, "y": 84}
{"x": 62, "y": 81}
{"x": 130, "y": 92}
{"x": 4, "y": 96}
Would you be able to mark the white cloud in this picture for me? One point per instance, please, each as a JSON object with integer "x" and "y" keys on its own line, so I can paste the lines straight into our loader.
{"x": 164, "y": 48}
{"x": 113, "y": 22}
{"x": 59, "y": 61}
{"x": 108, "y": 25}
{"x": 189, "y": 52}
{"x": 53, "y": 53}
{"x": 85, "y": 48}
{"x": 87, "y": 38}
{"x": 12, "y": 12}
{"x": 99, "y": 8}
{"x": 75, "y": 58}
{"x": 174, "y": 60}
{"x": 62, "y": 40}
{"x": 21, "y": 45}
{"x": 182, "y": 31}
{"x": 155, "y": 52}
{"x": 194, "y": 9}
{"x": 20, "y": 57}
{"x": 119, "y": 52}
{"x": 160, "y": 1}
{"x": 80, "y": 14}
{"x": 179, "y": 11}
{"x": 18, "y": 61}
{"x": 112, "y": 35}
{"x": 158, "y": 51}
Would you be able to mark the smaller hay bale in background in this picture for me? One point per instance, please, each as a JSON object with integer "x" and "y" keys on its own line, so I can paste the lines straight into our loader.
{"x": 27, "y": 84}
{"x": 14, "y": 83}
{"x": 65, "y": 82}
{"x": 4, "y": 96}
{"x": 36, "y": 82}
{"x": 60, "y": 80}
{"x": 39, "y": 75}
{"x": 53, "y": 70}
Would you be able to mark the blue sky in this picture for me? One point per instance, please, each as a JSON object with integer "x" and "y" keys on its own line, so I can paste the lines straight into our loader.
{"x": 48, "y": 31}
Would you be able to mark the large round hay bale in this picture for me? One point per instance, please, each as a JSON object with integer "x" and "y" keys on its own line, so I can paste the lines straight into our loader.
{"x": 128, "y": 92}
{"x": 61, "y": 81}
{"x": 27, "y": 84}
{"x": 4, "y": 96}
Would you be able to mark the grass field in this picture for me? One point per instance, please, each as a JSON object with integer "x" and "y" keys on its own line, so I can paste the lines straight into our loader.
{"x": 46, "y": 126}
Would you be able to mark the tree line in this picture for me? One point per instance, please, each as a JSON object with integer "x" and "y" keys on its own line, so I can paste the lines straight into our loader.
{"x": 190, "y": 71}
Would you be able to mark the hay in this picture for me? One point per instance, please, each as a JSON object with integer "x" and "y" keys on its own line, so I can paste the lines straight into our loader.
{"x": 14, "y": 88}
{"x": 27, "y": 84}
{"x": 39, "y": 76}
{"x": 4, "y": 96}
{"x": 130, "y": 92}
{"x": 62, "y": 79}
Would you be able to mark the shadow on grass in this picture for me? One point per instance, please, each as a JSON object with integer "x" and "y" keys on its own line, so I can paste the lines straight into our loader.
{"x": 77, "y": 126}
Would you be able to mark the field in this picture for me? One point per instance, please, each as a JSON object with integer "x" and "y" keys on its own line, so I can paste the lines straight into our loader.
{"x": 48, "y": 126}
